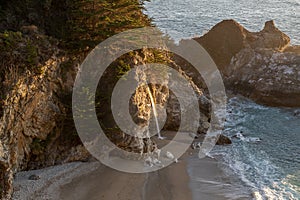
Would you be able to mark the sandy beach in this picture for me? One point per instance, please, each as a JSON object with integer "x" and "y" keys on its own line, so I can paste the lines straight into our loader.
{"x": 96, "y": 181}
{"x": 93, "y": 180}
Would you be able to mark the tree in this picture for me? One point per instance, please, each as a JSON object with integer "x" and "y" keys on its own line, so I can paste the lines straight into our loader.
{"x": 92, "y": 21}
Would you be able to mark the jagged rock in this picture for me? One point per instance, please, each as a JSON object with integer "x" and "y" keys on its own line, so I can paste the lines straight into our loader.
{"x": 223, "y": 140}
{"x": 228, "y": 38}
{"x": 292, "y": 49}
{"x": 173, "y": 108}
{"x": 270, "y": 37}
{"x": 259, "y": 65}
{"x": 296, "y": 113}
{"x": 266, "y": 76}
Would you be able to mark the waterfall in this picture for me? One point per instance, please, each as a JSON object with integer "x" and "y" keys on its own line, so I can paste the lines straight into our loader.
{"x": 154, "y": 113}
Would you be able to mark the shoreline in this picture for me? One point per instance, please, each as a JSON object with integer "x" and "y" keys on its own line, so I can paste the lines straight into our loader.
{"x": 95, "y": 181}
{"x": 209, "y": 181}
{"x": 187, "y": 179}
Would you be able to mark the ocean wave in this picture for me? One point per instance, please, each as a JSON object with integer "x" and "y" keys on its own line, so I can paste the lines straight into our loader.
{"x": 261, "y": 166}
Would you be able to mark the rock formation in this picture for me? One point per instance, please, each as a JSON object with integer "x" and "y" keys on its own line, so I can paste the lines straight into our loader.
{"x": 223, "y": 41}
{"x": 32, "y": 134}
{"x": 37, "y": 128}
{"x": 37, "y": 73}
{"x": 260, "y": 65}
{"x": 266, "y": 76}
{"x": 223, "y": 140}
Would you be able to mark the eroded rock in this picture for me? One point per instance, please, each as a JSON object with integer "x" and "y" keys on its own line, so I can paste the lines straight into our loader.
{"x": 259, "y": 65}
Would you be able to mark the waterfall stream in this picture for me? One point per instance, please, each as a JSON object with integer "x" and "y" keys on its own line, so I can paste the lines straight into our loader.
{"x": 154, "y": 113}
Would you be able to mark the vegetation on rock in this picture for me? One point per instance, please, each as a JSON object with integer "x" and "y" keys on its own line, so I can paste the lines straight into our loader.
{"x": 42, "y": 43}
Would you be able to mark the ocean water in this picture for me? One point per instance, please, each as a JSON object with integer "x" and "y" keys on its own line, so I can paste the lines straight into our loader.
{"x": 265, "y": 154}
{"x": 190, "y": 18}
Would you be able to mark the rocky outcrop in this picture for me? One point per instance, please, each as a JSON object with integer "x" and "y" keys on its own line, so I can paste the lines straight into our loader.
{"x": 228, "y": 38}
{"x": 259, "y": 65}
{"x": 32, "y": 134}
{"x": 36, "y": 80}
{"x": 223, "y": 140}
{"x": 173, "y": 108}
{"x": 223, "y": 41}
{"x": 266, "y": 76}
{"x": 270, "y": 38}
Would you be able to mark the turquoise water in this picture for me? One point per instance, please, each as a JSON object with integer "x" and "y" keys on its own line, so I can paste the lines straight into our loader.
{"x": 189, "y": 18}
{"x": 265, "y": 153}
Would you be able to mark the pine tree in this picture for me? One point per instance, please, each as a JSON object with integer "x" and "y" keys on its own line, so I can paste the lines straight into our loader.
{"x": 92, "y": 21}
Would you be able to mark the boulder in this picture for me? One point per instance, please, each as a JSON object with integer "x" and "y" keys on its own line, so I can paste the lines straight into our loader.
{"x": 223, "y": 140}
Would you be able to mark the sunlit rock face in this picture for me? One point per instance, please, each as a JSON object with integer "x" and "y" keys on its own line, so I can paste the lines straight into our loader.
{"x": 223, "y": 41}
{"x": 33, "y": 109}
{"x": 266, "y": 76}
{"x": 259, "y": 65}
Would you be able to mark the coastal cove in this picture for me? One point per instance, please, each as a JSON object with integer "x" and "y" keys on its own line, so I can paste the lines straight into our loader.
{"x": 150, "y": 100}
{"x": 264, "y": 159}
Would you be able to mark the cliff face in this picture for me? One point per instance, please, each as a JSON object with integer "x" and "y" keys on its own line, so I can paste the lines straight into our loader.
{"x": 259, "y": 65}
{"x": 36, "y": 121}
{"x": 266, "y": 76}
{"x": 37, "y": 129}
{"x": 37, "y": 76}
{"x": 33, "y": 110}
{"x": 140, "y": 105}
{"x": 24, "y": 98}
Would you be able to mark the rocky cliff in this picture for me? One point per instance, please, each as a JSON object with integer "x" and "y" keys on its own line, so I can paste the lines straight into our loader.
{"x": 38, "y": 72}
{"x": 33, "y": 113}
{"x": 260, "y": 65}
{"x": 37, "y": 128}
{"x": 37, "y": 75}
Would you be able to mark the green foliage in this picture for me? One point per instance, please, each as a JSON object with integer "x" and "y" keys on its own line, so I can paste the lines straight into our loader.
{"x": 38, "y": 146}
{"x": 15, "y": 12}
{"x": 122, "y": 68}
{"x": 92, "y": 21}
{"x": 80, "y": 24}
{"x": 31, "y": 56}
{"x": 9, "y": 40}
{"x": 18, "y": 49}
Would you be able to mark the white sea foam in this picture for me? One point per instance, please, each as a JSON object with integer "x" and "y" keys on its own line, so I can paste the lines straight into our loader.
{"x": 258, "y": 162}
{"x": 264, "y": 166}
